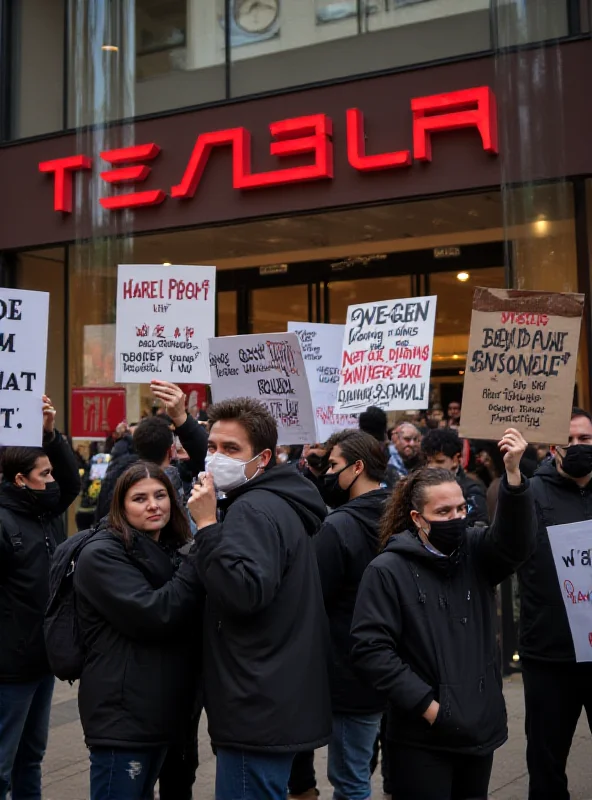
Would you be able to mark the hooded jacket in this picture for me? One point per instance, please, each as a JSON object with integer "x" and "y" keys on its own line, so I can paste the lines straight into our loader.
{"x": 424, "y": 629}
{"x": 544, "y": 628}
{"x": 139, "y": 614}
{"x": 345, "y": 545}
{"x": 28, "y": 537}
{"x": 266, "y": 682}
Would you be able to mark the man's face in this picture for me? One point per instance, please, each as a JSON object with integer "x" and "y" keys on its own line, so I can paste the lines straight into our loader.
{"x": 407, "y": 440}
{"x": 580, "y": 432}
{"x": 437, "y": 415}
{"x": 454, "y": 410}
{"x": 231, "y": 439}
{"x": 443, "y": 461}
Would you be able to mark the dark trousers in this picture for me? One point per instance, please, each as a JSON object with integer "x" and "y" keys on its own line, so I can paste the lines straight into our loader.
{"x": 431, "y": 775}
{"x": 177, "y": 774}
{"x": 302, "y": 776}
{"x": 554, "y": 695}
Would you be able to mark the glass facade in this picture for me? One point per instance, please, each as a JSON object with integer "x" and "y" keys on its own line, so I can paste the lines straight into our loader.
{"x": 170, "y": 54}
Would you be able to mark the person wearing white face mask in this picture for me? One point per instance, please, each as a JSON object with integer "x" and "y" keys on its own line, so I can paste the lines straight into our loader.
{"x": 266, "y": 656}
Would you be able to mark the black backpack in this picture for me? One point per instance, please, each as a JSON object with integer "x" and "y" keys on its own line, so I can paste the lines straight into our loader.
{"x": 63, "y": 642}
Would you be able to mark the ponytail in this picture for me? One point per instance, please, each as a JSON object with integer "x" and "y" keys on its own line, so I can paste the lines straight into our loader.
{"x": 409, "y": 495}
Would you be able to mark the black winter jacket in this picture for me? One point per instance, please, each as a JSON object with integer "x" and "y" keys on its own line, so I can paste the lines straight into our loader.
{"x": 424, "y": 629}
{"x": 266, "y": 658}
{"x": 27, "y": 541}
{"x": 193, "y": 438}
{"x": 140, "y": 620}
{"x": 476, "y": 497}
{"x": 345, "y": 545}
{"x": 544, "y": 628}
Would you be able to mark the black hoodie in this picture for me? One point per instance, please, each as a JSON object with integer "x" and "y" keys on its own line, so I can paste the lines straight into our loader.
{"x": 544, "y": 628}
{"x": 345, "y": 545}
{"x": 424, "y": 628}
{"x": 266, "y": 681}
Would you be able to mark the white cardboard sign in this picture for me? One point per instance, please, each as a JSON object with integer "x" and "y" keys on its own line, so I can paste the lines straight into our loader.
{"x": 572, "y": 553}
{"x": 387, "y": 355}
{"x": 321, "y": 347}
{"x": 270, "y": 368}
{"x": 165, "y": 316}
{"x": 23, "y": 354}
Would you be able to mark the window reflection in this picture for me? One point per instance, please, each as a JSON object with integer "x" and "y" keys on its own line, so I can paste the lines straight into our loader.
{"x": 273, "y": 308}
{"x": 365, "y": 290}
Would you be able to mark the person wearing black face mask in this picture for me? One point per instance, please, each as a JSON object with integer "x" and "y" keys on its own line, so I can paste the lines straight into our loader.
{"x": 38, "y": 486}
{"x": 556, "y": 688}
{"x": 424, "y": 628}
{"x": 345, "y": 545}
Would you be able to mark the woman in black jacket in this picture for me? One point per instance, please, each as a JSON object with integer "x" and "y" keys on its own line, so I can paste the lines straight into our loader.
{"x": 424, "y": 628}
{"x": 139, "y": 606}
{"x": 39, "y": 483}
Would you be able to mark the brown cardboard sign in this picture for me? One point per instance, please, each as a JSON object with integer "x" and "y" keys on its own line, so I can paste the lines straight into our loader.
{"x": 521, "y": 364}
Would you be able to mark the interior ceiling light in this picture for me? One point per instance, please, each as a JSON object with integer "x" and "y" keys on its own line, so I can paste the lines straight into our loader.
{"x": 541, "y": 226}
{"x": 110, "y": 48}
{"x": 166, "y": 264}
{"x": 463, "y": 276}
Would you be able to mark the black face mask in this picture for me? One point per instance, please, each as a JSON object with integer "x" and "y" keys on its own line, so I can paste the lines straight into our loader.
{"x": 332, "y": 492}
{"x": 447, "y": 535}
{"x": 577, "y": 461}
{"x": 45, "y": 500}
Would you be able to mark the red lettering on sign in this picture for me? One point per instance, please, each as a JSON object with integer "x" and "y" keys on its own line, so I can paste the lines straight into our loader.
{"x": 469, "y": 108}
{"x": 356, "y": 148}
{"x": 123, "y": 175}
{"x": 292, "y": 137}
{"x": 63, "y": 168}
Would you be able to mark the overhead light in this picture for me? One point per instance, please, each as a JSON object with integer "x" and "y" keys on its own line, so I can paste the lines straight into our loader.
{"x": 515, "y": 657}
{"x": 461, "y": 372}
{"x": 541, "y": 226}
{"x": 166, "y": 264}
{"x": 110, "y": 48}
{"x": 463, "y": 276}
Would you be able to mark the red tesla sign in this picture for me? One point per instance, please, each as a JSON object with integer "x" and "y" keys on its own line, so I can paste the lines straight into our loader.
{"x": 468, "y": 108}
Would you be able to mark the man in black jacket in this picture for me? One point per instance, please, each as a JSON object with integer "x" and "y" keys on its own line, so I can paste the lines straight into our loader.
{"x": 443, "y": 448}
{"x": 556, "y": 688}
{"x": 266, "y": 651}
{"x": 39, "y": 484}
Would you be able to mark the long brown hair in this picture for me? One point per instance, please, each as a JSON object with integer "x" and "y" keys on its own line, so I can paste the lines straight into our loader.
{"x": 175, "y": 533}
{"x": 409, "y": 495}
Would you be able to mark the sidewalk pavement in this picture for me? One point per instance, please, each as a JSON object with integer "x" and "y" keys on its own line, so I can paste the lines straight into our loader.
{"x": 66, "y": 764}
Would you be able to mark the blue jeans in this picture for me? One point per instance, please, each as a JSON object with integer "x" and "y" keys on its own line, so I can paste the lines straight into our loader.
{"x": 124, "y": 774}
{"x": 351, "y": 749}
{"x": 242, "y": 775}
{"x": 24, "y": 728}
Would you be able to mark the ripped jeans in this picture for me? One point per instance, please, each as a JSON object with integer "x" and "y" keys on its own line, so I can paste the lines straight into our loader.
{"x": 124, "y": 774}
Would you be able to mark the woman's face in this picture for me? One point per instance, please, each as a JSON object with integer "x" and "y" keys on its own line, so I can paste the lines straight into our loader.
{"x": 39, "y": 476}
{"x": 337, "y": 463}
{"x": 442, "y": 502}
{"x": 148, "y": 506}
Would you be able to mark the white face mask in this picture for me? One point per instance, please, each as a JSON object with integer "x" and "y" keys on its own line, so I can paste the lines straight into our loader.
{"x": 228, "y": 473}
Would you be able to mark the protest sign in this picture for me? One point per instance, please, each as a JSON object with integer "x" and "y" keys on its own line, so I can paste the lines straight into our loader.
{"x": 387, "y": 355}
{"x": 268, "y": 367}
{"x": 96, "y": 412}
{"x": 521, "y": 364}
{"x": 165, "y": 316}
{"x": 321, "y": 347}
{"x": 23, "y": 345}
{"x": 572, "y": 553}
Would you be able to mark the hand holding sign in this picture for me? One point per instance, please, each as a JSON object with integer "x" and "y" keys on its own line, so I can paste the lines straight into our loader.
{"x": 173, "y": 398}
{"x": 513, "y": 446}
{"x": 49, "y": 415}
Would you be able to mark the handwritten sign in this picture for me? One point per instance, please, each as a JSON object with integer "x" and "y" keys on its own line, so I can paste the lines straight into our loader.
{"x": 521, "y": 364}
{"x": 268, "y": 367}
{"x": 387, "y": 355}
{"x": 96, "y": 412}
{"x": 23, "y": 348}
{"x": 321, "y": 347}
{"x": 572, "y": 553}
{"x": 165, "y": 316}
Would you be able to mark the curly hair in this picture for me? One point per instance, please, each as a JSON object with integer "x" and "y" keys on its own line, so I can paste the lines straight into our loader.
{"x": 409, "y": 495}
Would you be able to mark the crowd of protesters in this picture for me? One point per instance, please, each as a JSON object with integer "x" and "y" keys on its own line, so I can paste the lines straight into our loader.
{"x": 341, "y": 594}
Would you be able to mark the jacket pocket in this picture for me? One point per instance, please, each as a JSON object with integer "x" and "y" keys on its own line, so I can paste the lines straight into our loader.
{"x": 472, "y": 714}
